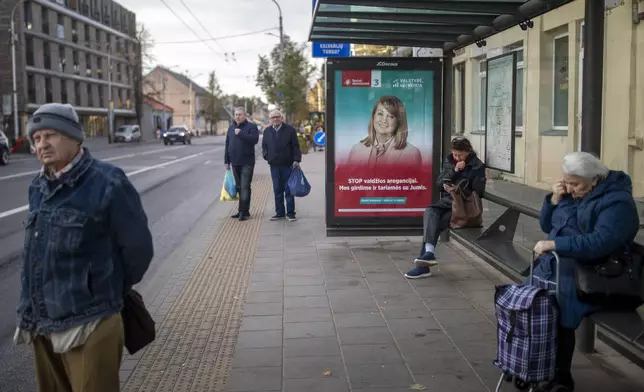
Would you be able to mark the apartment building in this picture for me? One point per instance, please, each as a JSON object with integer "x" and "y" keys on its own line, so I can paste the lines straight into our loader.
{"x": 179, "y": 91}
{"x": 65, "y": 50}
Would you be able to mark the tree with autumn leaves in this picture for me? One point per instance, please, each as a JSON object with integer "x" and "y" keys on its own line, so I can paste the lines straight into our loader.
{"x": 283, "y": 77}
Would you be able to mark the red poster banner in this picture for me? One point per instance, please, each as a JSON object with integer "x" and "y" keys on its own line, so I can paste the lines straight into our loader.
{"x": 386, "y": 191}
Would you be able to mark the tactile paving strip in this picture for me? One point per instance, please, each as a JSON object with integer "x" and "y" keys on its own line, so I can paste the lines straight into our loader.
{"x": 195, "y": 343}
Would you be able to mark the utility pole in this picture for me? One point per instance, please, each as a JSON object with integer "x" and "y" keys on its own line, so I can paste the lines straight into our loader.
{"x": 110, "y": 110}
{"x": 191, "y": 108}
{"x": 14, "y": 82}
{"x": 163, "y": 126}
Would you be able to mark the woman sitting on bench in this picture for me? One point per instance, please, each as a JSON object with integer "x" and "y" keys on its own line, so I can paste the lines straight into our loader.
{"x": 589, "y": 215}
{"x": 461, "y": 168}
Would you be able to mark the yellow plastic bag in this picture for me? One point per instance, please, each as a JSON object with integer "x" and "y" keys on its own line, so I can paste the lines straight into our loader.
{"x": 225, "y": 196}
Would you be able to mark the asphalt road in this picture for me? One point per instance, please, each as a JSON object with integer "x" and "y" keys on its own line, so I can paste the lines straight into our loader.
{"x": 177, "y": 184}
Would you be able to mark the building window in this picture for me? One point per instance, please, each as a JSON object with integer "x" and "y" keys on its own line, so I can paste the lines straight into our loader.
{"x": 88, "y": 64}
{"x": 560, "y": 83}
{"x": 31, "y": 88}
{"x": 77, "y": 94}
{"x": 74, "y": 31}
{"x": 482, "y": 94}
{"x": 90, "y": 96}
{"x": 60, "y": 27}
{"x": 101, "y": 96}
{"x": 49, "y": 96}
{"x": 61, "y": 58}
{"x": 44, "y": 16}
{"x": 88, "y": 40}
{"x": 63, "y": 91}
{"x": 519, "y": 88}
{"x": 29, "y": 24}
{"x": 29, "y": 43}
{"x": 119, "y": 48}
{"x": 75, "y": 61}
{"x": 95, "y": 10}
{"x": 458, "y": 99}
{"x": 99, "y": 67}
{"x": 46, "y": 54}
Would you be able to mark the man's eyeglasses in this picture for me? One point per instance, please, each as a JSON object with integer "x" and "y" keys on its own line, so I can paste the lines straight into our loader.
{"x": 275, "y": 117}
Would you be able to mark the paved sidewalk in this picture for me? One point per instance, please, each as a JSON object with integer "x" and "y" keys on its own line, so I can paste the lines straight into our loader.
{"x": 278, "y": 306}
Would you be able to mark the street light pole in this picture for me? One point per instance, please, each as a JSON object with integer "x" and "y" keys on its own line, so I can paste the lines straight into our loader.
{"x": 281, "y": 22}
{"x": 16, "y": 128}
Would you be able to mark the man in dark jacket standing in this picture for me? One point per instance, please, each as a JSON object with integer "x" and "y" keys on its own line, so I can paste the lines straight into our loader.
{"x": 281, "y": 149}
{"x": 239, "y": 155}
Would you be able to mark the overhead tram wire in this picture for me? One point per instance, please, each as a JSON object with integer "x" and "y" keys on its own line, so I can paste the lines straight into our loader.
{"x": 202, "y": 26}
{"x": 192, "y": 30}
{"x": 216, "y": 38}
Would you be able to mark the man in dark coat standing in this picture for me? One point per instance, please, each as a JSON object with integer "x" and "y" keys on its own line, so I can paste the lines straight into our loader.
{"x": 281, "y": 149}
{"x": 239, "y": 155}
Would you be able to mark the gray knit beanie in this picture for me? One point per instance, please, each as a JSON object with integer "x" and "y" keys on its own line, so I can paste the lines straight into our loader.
{"x": 60, "y": 117}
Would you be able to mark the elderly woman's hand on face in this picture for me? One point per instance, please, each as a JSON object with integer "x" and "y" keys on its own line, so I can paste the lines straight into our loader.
{"x": 543, "y": 247}
{"x": 558, "y": 192}
{"x": 459, "y": 166}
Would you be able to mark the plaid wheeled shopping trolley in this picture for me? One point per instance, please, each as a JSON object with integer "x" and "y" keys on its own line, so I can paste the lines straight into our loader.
{"x": 527, "y": 318}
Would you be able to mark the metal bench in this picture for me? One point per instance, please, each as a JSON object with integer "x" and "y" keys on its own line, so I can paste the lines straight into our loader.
{"x": 624, "y": 331}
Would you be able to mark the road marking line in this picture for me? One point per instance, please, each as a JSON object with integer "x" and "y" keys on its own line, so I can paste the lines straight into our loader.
{"x": 17, "y": 210}
{"x": 110, "y": 159}
{"x": 14, "y": 211}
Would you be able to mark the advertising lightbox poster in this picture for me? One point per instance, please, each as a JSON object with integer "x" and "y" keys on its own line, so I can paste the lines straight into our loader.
{"x": 385, "y": 116}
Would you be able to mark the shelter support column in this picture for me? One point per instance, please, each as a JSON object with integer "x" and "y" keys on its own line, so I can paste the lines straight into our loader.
{"x": 446, "y": 132}
{"x": 593, "y": 77}
{"x": 448, "y": 82}
{"x": 591, "y": 115}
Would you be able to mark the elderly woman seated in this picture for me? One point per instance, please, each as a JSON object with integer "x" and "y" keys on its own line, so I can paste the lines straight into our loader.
{"x": 589, "y": 216}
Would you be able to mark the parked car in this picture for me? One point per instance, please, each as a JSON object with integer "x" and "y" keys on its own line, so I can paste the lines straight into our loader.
{"x": 4, "y": 149}
{"x": 128, "y": 133}
{"x": 179, "y": 134}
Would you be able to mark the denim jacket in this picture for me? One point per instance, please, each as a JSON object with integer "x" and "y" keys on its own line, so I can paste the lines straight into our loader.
{"x": 87, "y": 241}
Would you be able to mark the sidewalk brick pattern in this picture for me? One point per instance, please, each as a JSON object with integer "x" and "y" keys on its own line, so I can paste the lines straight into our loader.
{"x": 195, "y": 342}
{"x": 337, "y": 315}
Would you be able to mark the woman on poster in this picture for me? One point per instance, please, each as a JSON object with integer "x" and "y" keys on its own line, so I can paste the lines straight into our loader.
{"x": 386, "y": 142}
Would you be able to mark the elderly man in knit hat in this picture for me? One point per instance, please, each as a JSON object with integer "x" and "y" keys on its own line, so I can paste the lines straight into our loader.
{"x": 87, "y": 242}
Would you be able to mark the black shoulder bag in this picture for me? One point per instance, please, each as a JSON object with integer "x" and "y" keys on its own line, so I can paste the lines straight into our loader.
{"x": 614, "y": 282}
{"x": 138, "y": 324}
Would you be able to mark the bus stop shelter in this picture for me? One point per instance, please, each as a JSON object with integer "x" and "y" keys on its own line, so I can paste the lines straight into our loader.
{"x": 450, "y": 25}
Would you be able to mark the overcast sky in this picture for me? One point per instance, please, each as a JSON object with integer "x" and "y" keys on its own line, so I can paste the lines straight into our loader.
{"x": 221, "y": 18}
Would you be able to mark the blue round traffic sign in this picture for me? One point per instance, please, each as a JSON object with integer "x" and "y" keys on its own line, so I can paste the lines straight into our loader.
{"x": 320, "y": 138}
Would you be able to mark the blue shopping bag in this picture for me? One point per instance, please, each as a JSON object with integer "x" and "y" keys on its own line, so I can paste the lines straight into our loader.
{"x": 298, "y": 184}
{"x": 228, "y": 189}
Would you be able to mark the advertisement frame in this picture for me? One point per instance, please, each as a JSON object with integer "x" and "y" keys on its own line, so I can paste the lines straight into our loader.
{"x": 513, "y": 129}
{"x": 391, "y": 226}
